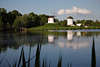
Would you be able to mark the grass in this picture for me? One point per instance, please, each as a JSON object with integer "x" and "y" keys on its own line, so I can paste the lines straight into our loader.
{"x": 59, "y": 27}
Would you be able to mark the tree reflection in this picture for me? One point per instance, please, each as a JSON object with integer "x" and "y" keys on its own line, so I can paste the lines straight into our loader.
{"x": 6, "y": 40}
{"x": 33, "y": 39}
{"x": 69, "y": 65}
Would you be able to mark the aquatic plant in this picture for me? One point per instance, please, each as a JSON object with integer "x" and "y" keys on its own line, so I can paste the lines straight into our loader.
{"x": 59, "y": 62}
{"x": 93, "y": 56}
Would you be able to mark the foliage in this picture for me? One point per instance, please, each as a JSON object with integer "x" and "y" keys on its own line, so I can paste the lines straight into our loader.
{"x": 34, "y": 19}
{"x": 1, "y": 22}
{"x": 15, "y": 20}
{"x": 26, "y": 20}
{"x": 56, "y": 20}
{"x": 63, "y": 23}
{"x": 12, "y": 16}
{"x": 3, "y": 10}
{"x": 3, "y": 15}
{"x": 18, "y": 23}
{"x": 88, "y": 22}
{"x": 43, "y": 19}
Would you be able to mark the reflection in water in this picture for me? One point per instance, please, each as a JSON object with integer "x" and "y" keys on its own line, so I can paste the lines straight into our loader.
{"x": 78, "y": 33}
{"x": 69, "y": 65}
{"x": 51, "y": 38}
{"x": 77, "y": 44}
{"x": 60, "y": 44}
{"x": 69, "y": 35}
{"x": 6, "y": 40}
{"x": 93, "y": 58}
{"x": 34, "y": 55}
{"x": 70, "y": 41}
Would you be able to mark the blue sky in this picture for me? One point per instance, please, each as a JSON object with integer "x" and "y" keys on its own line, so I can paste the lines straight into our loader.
{"x": 52, "y": 7}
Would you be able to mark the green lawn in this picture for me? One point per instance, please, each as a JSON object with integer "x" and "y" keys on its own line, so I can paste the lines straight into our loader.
{"x": 58, "y": 27}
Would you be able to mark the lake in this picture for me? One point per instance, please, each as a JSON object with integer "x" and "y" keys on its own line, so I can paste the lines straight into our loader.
{"x": 63, "y": 48}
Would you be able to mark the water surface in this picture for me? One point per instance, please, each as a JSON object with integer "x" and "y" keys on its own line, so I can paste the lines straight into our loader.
{"x": 70, "y": 48}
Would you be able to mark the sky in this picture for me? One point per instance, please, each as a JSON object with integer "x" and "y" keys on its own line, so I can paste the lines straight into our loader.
{"x": 79, "y": 9}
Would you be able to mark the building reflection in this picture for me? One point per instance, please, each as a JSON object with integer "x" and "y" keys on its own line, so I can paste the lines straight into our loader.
{"x": 50, "y": 38}
{"x": 78, "y": 33}
{"x": 77, "y": 44}
{"x": 72, "y": 40}
{"x": 61, "y": 44}
{"x": 69, "y": 35}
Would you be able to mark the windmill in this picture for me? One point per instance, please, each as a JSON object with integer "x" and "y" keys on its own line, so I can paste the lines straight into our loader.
{"x": 52, "y": 16}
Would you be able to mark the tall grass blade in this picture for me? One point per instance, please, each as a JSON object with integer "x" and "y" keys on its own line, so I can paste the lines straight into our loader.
{"x": 43, "y": 64}
{"x": 29, "y": 57}
{"x": 23, "y": 60}
{"x": 37, "y": 59}
{"x": 59, "y": 62}
{"x": 93, "y": 58}
{"x": 20, "y": 57}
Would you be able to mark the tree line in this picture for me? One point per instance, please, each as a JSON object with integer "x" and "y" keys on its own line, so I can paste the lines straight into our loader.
{"x": 15, "y": 20}
{"x": 82, "y": 22}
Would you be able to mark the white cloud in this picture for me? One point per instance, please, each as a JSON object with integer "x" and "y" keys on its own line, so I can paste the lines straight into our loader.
{"x": 61, "y": 11}
{"x": 76, "y": 10}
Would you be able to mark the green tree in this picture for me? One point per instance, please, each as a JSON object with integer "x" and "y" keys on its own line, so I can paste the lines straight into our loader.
{"x": 35, "y": 19}
{"x": 1, "y": 22}
{"x": 12, "y": 16}
{"x": 43, "y": 19}
{"x": 89, "y": 22}
{"x": 63, "y": 23}
{"x": 3, "y": 10}
{"x": 26, "y": 20}
{"x": 56, "y": 20}
{"x": 18, "y": 23}
{"x": 4, "y": 17}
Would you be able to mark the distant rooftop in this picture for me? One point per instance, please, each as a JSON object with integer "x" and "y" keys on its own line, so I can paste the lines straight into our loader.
{"x": 69, "y": 17}
{"x": 51, "y": 16}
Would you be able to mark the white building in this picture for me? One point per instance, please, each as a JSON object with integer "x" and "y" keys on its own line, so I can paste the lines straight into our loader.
{"x": 51, "y": 19}
{"x": 70, "y": 21}
{"x": 79, "y": 24}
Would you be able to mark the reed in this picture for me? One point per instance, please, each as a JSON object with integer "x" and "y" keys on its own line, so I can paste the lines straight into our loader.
{"x": 93, "y": 56}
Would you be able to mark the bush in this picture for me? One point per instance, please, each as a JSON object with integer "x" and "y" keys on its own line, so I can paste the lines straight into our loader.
{"x": 63, "y": 23}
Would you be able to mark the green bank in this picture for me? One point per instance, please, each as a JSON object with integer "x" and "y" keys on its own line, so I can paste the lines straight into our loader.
{"x": 60, "y": 27}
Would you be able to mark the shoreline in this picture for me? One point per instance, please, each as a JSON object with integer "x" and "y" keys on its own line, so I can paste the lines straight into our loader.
{"x": 62, "y": 28}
